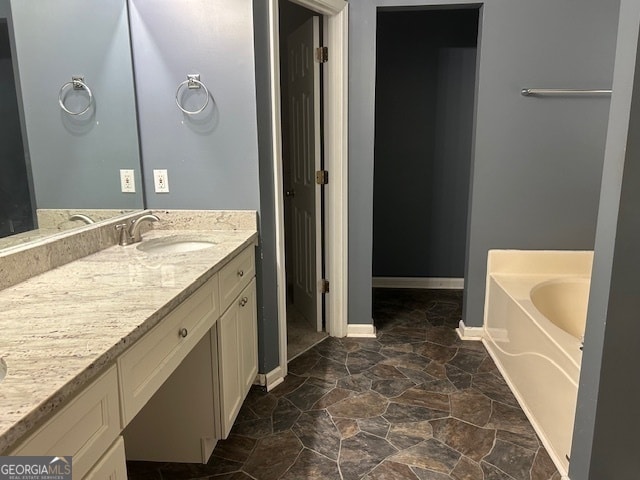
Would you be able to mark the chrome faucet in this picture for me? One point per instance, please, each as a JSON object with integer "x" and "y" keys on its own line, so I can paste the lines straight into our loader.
{"x": 79, "y": 216}
{"x": 132, "y": 234}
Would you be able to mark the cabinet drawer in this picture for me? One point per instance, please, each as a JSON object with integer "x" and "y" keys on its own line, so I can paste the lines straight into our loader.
{"x": 83, "y": 429}
{"x": 112, "y": 465}
{"x": 149, "y": 362}
{"x": 236, "y": 275}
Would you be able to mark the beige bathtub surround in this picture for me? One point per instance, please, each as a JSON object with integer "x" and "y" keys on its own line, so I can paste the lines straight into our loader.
{"x": 62, "y": 328}
{"x": 540, "y": 262}
{"x": 534, "y": 319}
{"x": 206, "y": 219}
{"x": 27, "y": 260}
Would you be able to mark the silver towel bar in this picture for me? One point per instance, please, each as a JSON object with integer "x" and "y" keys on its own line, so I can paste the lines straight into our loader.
{"x": 530, "y": 92}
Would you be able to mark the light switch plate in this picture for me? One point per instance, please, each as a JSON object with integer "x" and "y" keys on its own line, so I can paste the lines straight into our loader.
{"x": 127, "y": 181}
{"x": 161, "y": 181}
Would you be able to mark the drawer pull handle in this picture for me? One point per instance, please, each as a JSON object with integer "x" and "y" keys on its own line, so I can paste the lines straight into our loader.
{"x": 241, "y": 273}
{"x": 183, "y": 332}
{"x": 244, "y": 301}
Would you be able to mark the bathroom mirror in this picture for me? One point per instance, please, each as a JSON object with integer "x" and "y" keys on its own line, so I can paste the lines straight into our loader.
{"x": 58, "y": 159}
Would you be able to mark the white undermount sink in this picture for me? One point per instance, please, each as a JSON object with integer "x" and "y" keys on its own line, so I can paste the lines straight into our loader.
{"x": 174, "y": 245}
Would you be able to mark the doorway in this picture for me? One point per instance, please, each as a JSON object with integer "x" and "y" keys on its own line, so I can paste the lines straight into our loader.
{"x": 335, "y": 24}
{"x": 301, "y": 118}
{"x": 424, "y": 121}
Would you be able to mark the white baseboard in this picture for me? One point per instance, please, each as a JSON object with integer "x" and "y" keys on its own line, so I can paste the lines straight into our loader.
{"x": 418, "y": 282}
{"x": 270, "y": 380}
{"x": 207, "y": 445}
{"x": 361, "y": 330}
{"x": 469, "y": 333}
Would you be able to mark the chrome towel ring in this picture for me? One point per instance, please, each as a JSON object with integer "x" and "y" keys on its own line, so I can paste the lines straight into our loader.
{"x": 77, "y": 83}
{"x": 192, "y": 82}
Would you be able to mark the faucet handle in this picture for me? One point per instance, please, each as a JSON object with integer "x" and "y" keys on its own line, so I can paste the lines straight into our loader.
{"x": 124, "y": 238}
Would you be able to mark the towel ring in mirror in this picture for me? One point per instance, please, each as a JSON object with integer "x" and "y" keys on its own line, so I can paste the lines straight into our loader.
{"x": 77, "y": 83}
{"x": 192, "y": 82}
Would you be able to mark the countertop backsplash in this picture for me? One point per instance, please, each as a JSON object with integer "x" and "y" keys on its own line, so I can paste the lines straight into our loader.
{"x": 24, "y": 261}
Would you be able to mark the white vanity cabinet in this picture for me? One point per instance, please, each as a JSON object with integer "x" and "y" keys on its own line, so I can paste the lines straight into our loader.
{"x": 84, "y": 429}
{"x": 149, "y": 362}
{"x": 237, "y": 337}
{"x": 173, "y": 392}
{"x": 198, "y": 402}
{"x": 179, "y": 422}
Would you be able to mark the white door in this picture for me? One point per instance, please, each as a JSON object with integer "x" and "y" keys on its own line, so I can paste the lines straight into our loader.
{"x": 304, "y": 134}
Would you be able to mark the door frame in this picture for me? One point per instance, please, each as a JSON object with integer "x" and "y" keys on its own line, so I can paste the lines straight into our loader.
{"x": 335, "y": 142}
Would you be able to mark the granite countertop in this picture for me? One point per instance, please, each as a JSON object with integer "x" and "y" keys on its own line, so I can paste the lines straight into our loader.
{"x": 62, "y": 328}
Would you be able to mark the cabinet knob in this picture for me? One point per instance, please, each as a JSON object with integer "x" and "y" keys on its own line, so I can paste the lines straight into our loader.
{"x": 243, "y": 301}
{"x": 241, "y": 273}
{"x": 183, "y": 332}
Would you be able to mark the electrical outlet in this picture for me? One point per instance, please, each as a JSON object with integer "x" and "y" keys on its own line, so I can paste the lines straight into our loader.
{"x": 127, "y": 181}
{"x": 161, "y": 181}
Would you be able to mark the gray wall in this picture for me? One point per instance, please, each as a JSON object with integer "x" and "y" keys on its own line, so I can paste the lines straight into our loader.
{"x": 605, "y": 433}
{"x": 537, "y": 163}
{"x": 212, "y": 157}
{"x": 75, "y": 161}
{"x": 452, "y": 166}
{"x": 425, "y": 74}
{"x": 268, "y": 331}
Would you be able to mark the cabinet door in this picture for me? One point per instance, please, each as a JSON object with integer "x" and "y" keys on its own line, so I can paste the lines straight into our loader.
{"x": 248, "y": 334}
{"x": 112, "y": 465}
{"x": 231, "y": 397}
{"x": 237, "y": 354}
{"x": 84, "y": 429}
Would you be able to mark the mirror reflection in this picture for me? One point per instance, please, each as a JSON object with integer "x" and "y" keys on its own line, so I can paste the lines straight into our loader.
{"x": 16, "y": 214}
{"x": 60, "y": 162}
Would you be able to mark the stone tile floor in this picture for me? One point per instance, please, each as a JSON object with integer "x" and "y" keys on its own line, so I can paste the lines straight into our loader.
{"x": 416, "y": 403}
{"x": 301, "y": 335}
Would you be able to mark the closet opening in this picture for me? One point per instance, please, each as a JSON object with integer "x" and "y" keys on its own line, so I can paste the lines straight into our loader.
{"x": 426, "y": 62}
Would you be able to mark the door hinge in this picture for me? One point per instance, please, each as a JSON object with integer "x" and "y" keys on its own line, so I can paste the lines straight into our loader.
{"x": 322, "y": 54}
{"x": 322, "y": 177}
{"x": 324, "y": 286}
